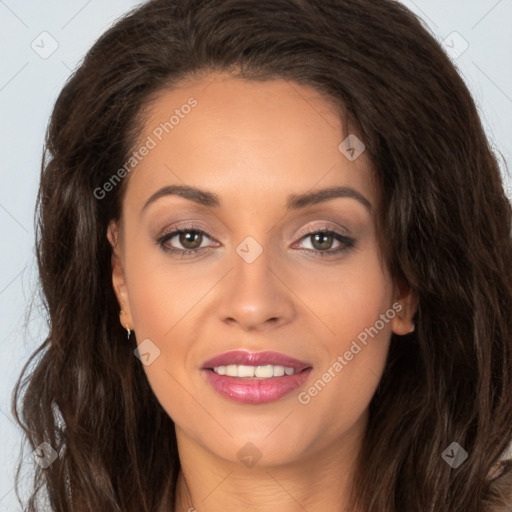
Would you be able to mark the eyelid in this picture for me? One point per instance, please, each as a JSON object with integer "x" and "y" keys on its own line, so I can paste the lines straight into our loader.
{"x": 184, "y": 227}
{"x": 322, "y": 228}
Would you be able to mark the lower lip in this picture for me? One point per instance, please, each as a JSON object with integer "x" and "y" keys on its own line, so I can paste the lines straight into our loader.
{"x": 253, "y": 391}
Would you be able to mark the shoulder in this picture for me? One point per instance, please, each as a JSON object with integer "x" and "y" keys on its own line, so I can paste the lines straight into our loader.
{"x": 499, "y": 495}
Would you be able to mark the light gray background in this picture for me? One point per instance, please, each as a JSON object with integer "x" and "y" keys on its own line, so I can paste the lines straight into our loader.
{"x": 29, "y": 85}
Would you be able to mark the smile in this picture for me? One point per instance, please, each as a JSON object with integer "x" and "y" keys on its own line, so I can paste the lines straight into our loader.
{"x": 265, "y": 376}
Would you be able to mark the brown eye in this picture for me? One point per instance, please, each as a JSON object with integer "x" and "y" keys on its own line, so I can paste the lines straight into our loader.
{"x": 325, "y": 242}
{"x": 184, "y": 241}
{"x": 322, "y": 241}
{"x": 190, "y": 239}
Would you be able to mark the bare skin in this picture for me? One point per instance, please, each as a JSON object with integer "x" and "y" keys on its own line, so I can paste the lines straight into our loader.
{"x": 253, "y": 144}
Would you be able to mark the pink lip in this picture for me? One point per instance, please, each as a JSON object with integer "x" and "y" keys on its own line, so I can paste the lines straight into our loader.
{"x": 255, "y": 359}
{"x": 252, "y": 390}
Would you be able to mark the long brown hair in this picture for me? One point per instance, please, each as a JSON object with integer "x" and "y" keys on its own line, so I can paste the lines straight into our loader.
{"x": 445, "y": 221}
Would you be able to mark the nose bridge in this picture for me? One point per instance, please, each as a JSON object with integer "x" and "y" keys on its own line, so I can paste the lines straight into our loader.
{"x": 253, "y": 295}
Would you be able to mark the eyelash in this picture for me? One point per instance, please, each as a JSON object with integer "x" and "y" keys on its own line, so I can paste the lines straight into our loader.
{"x": 347, "y": 242}
{"x": 183, "y": 252}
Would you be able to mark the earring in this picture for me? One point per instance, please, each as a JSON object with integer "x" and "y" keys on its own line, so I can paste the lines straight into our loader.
{"x": 412, "y": 327}
{"x": 126, "y": 327}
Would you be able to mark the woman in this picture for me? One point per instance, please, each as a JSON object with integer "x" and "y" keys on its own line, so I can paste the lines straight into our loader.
{"x": 276, "y": 254}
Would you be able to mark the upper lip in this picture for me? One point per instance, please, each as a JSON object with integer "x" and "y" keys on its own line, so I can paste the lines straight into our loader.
{"x": 244, "y": 357}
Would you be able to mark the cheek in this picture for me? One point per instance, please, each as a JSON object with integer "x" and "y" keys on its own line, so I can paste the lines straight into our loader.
{"x": 356, "y": 306}
{"x": 166, "y": 301}
{"x": 160, "y": 292}
{"x": 347, "y": 300}
{"x": 163, "y": 303}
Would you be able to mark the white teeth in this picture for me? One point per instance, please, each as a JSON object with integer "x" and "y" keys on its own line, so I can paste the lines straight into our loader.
{"x": 264, "y": 371}
{"x": 246, "y": 371}
{"x": 232, "y": 370}
{"x": 261, "y": 372}
{"x": 278, "y": 371}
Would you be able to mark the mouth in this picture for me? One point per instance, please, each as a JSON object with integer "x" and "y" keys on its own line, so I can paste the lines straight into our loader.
{"x": 255, "y": 378}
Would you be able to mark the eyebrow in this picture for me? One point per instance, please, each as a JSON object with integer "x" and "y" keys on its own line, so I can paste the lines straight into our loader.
{"x": 294, "y": 202}
{"x": 297, "y": 201}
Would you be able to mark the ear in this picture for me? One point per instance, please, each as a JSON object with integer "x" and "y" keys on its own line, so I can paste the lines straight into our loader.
{"x": 118, "y": 278}
{"x": 406, "y": 306}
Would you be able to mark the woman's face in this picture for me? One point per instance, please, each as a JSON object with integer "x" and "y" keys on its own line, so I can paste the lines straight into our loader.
{"x": 252, "y": 156}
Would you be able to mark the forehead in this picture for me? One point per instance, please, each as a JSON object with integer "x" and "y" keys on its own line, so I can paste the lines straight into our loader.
{"x": 244, "y": 139}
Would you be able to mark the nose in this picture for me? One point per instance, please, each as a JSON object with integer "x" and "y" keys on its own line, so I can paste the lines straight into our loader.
{"x": 255, "y": 295}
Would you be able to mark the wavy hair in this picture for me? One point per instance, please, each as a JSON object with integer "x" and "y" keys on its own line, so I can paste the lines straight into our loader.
{"x": 445, "y": 222}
